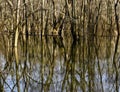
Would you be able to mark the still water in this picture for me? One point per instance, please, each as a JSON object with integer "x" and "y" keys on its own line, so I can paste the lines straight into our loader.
{"x": 56, "y": 64}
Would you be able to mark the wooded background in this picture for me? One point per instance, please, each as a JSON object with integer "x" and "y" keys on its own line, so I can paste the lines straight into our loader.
{"x": 46, "y": 17}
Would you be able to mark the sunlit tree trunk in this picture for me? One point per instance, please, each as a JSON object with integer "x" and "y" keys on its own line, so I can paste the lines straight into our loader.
{"x": 16, "y": 42}
{"x": 42, "y": 17}
{"x": 26, "y": 20}
{"x": 17, "y": 21}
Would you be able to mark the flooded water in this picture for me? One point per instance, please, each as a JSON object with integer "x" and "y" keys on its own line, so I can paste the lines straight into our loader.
{"x": 56, "y": 64}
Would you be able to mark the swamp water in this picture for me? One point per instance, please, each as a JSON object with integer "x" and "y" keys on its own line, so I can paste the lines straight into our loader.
{"x": 56, "y": 64}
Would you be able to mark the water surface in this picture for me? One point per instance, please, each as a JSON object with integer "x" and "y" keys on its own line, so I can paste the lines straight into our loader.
{"x": 57, "y": 64}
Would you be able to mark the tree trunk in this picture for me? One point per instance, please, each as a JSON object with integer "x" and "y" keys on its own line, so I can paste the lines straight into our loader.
{"x": 73, "y": 21}
{"x": 17, "y": 18}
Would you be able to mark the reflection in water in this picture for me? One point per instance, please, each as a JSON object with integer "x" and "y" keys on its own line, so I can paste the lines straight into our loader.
{"x": 55, "y": 64}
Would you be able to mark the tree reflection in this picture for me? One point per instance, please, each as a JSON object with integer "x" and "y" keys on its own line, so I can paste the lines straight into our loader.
{"x": 60, "y": 65}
